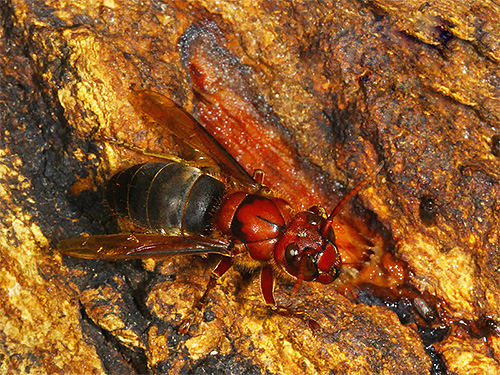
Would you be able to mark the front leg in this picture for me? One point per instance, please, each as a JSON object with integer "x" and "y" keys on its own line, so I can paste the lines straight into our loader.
{"x": 267, "y": 289}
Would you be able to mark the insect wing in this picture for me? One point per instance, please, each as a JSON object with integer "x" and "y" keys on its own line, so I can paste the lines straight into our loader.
{"x": 136, "y": 246}
{"x": 187, "y": 129}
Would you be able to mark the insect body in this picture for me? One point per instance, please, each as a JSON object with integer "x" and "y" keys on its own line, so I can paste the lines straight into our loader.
{"x": 190, "y": 211}
{"x": 166, "y": 197}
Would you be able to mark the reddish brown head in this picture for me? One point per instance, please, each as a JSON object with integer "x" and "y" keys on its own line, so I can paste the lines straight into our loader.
{"x": 307, "y": 249}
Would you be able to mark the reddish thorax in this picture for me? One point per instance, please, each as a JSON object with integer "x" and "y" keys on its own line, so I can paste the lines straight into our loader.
{"x": 255, "y": 221}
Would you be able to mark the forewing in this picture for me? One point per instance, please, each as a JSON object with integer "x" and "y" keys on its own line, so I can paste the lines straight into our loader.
{"x": 136, "y": 246}
{"x": 187, "y": 129}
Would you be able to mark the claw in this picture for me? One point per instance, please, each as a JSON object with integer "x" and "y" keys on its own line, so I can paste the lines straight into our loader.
{"x": 188, "y": 321}
{"x": 287, "y": 312}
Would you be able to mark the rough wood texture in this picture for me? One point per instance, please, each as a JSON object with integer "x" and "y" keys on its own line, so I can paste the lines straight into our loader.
{"x": 326, "y": 90}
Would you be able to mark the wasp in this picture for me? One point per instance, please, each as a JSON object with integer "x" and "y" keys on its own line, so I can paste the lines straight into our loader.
{"x": 213, "y": 207}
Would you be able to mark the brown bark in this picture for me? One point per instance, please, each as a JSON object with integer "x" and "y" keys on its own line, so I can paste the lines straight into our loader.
{"x": 314, "y": 93}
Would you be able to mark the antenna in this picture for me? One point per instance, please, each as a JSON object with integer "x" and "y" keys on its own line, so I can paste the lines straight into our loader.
{"x": 349, "y": 196}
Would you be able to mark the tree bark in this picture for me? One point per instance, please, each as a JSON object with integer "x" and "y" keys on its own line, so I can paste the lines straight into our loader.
{"x": 316, "y": 94}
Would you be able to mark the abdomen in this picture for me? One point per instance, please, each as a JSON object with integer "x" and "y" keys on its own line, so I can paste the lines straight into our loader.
{"x": 166, "y": 197}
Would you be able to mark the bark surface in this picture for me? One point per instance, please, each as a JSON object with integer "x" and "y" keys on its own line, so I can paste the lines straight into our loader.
{"x": 316, "y": 94}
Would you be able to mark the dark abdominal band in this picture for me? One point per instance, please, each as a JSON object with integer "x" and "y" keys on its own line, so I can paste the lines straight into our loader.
{"x": 166, "y": 197}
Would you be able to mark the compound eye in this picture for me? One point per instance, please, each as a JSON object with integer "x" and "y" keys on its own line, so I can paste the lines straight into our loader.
{"x": 318, "y": 210}
{"x": 314, "y": 219}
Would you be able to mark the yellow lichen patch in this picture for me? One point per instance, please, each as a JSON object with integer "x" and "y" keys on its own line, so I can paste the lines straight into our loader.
{"x": 106, "y": 308}
{"x": 40, "y": 306}
{"x": 210, "y": 339}
{"x": 31, "y": 300}
{"x": 157, "y": 345}
{"x": 99, "y": 90}
{"x": 271, "y": 344}
{"x": 463, "y": 358}
{"x": 449, "y": 279}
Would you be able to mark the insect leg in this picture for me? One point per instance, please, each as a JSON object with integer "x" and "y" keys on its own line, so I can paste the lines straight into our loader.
{"x": 222, "y": 267}
{"x": 267, "y": 285}
{"x": 267, "y": 288}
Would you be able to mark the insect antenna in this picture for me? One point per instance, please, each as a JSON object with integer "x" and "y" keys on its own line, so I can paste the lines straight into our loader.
{"x": 348, "y": 197}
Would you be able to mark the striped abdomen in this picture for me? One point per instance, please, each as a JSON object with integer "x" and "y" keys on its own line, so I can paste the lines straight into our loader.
{"x": 166, "y": 197}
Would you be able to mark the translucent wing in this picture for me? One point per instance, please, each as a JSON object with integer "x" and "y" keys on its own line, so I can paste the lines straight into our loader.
{"x": 136, "y": 246}
{"x": 187, "y": 129}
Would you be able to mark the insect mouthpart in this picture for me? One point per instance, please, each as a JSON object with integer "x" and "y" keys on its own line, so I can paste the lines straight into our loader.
{"x": 302, "y": 264}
